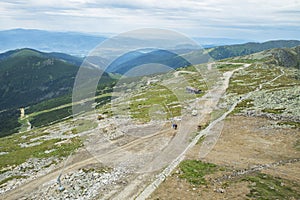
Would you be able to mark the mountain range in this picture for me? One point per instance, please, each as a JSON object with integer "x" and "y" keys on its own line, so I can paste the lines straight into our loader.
{"x": 74, "y": 43}
{"x": 222, "y": 52}
{"x": 174, "y": 60}
{"x": 30, "y": 77}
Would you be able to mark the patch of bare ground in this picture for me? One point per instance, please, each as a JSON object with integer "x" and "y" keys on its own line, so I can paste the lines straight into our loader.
{"x": 289, "y": 171}
{"x": 247, "y": 141}
{"x": 246, "y": 146}
{"x": 177, "y": 188}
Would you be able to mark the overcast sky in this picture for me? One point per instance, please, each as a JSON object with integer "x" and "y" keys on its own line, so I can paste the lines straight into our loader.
{"x": 254, "y": 19}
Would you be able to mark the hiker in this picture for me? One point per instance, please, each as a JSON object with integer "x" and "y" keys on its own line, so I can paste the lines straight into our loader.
{"x": 175, "y": 126}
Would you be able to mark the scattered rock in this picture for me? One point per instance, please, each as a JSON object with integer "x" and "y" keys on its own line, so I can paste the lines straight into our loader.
{"x": 219, "y": 190}
{"x": 81, "y": 184}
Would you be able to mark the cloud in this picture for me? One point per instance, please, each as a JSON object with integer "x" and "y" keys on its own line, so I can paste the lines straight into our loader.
{"x": 189, "y": 16}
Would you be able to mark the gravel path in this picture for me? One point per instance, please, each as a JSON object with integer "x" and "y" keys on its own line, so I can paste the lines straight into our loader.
{"x": 213, "y": 97}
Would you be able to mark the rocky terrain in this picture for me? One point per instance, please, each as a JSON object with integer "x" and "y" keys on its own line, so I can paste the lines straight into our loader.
{"x": 237, "y": 138}
{"x": 257, "y": 152}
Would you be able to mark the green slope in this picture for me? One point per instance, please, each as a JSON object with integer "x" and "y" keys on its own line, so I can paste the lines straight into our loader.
{"x": 29, "y": 77}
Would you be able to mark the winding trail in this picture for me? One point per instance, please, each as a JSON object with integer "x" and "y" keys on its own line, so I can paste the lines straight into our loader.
{"x": 25, "y": 117}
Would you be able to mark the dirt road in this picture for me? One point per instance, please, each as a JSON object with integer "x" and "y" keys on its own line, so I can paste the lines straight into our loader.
{"x": 173, "y": 145}
{"x": 34, "y": 185}
{"x": 211, "y": 100}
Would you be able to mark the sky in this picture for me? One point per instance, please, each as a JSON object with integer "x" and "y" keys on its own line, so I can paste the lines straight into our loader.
{"x": 253, "y": 19}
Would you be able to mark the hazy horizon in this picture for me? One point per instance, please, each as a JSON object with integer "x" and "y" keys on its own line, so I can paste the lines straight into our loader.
{"x": 251, "y": 20}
